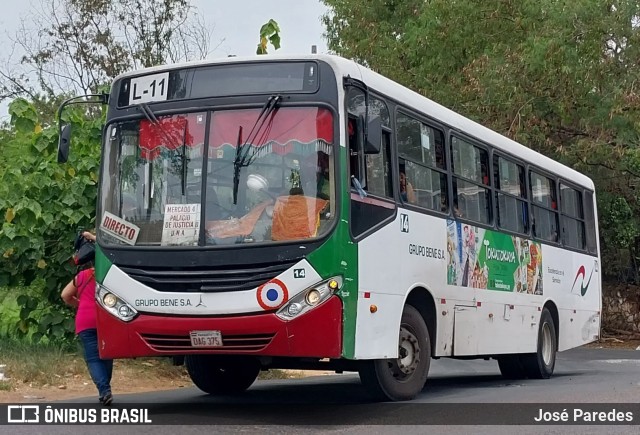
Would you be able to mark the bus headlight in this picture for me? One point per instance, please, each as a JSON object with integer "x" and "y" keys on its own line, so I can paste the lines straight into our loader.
{"x": 110, "y": 300}
{"x": 309, "y": 298}
{"x": 312, "y": 297}
{"x": 114, "y": 305}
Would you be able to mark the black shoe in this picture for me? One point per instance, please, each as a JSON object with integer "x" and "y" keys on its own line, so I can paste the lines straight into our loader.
{"x": 107, "y": 399}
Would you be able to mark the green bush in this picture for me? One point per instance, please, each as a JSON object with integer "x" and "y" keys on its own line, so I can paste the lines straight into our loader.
{"x": 43, "y": 204}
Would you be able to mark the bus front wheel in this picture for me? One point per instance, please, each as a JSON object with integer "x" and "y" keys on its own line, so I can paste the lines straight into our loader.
{"x": 404, "y": 377}
{"x": 222, "y": 375}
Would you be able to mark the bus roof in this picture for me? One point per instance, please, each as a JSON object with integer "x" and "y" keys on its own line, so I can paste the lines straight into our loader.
{"x": 406, "y": 96}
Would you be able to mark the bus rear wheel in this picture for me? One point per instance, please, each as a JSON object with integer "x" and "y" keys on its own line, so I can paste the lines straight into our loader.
{"x": 511, "y": 367}
{"x": 540, "y": 365}
{"x": 222, "y": 375}
{"x": 404, "y": 377}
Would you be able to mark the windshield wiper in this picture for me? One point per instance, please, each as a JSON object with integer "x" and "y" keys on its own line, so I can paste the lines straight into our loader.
{"x": 242, "y": 151}
{"x": 153, "y": 119}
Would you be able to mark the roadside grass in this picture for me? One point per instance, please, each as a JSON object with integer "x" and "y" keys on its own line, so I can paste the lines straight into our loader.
{"x": 49, "y": 365}
{"x": 38, "y": 364}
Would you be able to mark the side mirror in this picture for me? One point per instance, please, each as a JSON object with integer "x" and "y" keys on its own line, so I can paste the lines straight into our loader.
{"x": 63, "y": 143}
{"x": 374, "y": 136}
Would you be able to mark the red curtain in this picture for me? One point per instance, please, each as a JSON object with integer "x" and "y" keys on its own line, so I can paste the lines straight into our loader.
{"x": 283, "y": 127}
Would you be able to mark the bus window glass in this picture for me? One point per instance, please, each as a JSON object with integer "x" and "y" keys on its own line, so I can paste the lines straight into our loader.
{"x": 471, "y": 201}
{"x": 470, "y": 161}
{"x": 378, "y": 169}
{"x": 373, "y": 171}
{"x": 590, "y": 223}
{"x": 510, "y": 182}
{"x": 421, "y": 150}
{"x": 545, "y": 224}
{"x": 419, "y": 142}
{"x": 543, "y": 190}
{"x": 429, "y": 186}
{"x": 545, "y": 215}
{"x": 282, "y": 188}
{"x": 153, "y": 165}
{"x": 510, "y": 177}
{"x": 573, "y": 229}
{"x": 571, "y": 201}
{"x": 377, "y": 107}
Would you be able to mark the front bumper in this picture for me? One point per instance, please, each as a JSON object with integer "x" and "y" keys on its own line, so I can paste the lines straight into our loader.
{"x": 317, "y": 334}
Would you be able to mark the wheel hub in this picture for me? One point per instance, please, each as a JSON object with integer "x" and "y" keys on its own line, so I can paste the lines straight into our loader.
{"x": 408, "y": 352}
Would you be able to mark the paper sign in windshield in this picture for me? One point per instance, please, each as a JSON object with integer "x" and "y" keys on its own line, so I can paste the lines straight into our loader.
{"x": 119, "y": 228}
{"x": 181, "y": 224}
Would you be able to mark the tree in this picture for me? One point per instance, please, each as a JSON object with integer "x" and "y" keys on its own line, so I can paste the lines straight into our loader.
{"x": 559, "y": 76}
{"x": 83, "y": 44}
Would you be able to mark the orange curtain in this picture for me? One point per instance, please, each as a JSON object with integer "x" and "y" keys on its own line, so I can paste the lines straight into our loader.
{"x": 296, "y": 217}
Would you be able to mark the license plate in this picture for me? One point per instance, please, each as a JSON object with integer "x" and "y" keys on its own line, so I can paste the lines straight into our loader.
{"x": 206, "y": 338}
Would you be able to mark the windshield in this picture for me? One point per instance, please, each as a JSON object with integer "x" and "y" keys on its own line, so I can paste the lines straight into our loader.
{"x": 169, "y": 181}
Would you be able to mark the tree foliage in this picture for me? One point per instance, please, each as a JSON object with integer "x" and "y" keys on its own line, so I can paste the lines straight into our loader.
{"x": 560, "y": 76}
{"x": 269, "y": 33}
{"x": 79, "y": 45}
{"x": 42, "y": 205}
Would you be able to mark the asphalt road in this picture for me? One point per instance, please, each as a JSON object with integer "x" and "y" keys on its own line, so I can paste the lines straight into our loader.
{"x": 601, "y": 378}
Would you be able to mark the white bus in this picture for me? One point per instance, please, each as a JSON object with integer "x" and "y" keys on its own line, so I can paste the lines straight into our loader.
{"x": 251, "y": 216}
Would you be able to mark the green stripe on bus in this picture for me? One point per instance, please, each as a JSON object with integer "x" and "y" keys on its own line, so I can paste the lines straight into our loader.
{"x": 102, "y": 265}
{"x": 339, "y": 255}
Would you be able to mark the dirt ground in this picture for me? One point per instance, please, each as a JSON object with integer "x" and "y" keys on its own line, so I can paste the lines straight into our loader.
{"x": 126, "y": 379}
{"x": 129, "y": 379}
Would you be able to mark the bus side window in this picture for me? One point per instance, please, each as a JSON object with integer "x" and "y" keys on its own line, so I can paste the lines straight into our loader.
{"x": 544, "y": 207}
{"x": 471, "y": 193}
{"x": 590, "y": 222}
{"x": 378, "y": 168}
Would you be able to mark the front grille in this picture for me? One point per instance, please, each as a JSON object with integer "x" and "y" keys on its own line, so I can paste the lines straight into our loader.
{"x": 253, "y": 342}
{"x": 229, "y": 278}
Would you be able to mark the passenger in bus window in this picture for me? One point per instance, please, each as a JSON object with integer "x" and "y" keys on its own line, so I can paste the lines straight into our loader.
{"x": 406, "y": 189}
{"x": 443, "y": 204}
{"x": 485, "y": 174}
{"x": 456, "y": 211}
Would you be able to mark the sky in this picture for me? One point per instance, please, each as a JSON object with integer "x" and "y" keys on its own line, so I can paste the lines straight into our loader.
{"x": 236, "y": 26}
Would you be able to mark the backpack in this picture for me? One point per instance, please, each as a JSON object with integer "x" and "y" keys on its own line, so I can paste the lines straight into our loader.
{"x": 85, "y": 250}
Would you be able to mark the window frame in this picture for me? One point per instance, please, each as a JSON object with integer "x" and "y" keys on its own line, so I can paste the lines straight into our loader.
{"x": 533, "y": 204}
{"x": 488, "y": 187}
{"x": 563, "y": 215}
{"x": 402, "y": 111}
{"x": 521, "y": 199}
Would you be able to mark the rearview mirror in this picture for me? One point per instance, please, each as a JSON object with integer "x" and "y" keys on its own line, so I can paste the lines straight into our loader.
{"x": 374, "y": 136}
{"x": 63, "y": 143}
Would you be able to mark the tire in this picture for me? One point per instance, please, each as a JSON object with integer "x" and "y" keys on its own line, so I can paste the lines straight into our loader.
{"x": 540, "y": 365}
{"x": 402, "y": 378}
{"x": 511, "y": 367}
{"x": 222, "y": 375}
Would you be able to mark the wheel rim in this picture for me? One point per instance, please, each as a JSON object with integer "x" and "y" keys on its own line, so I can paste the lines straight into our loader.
{"x": 547, "y": 344}
{"x": 408, "y": 359}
